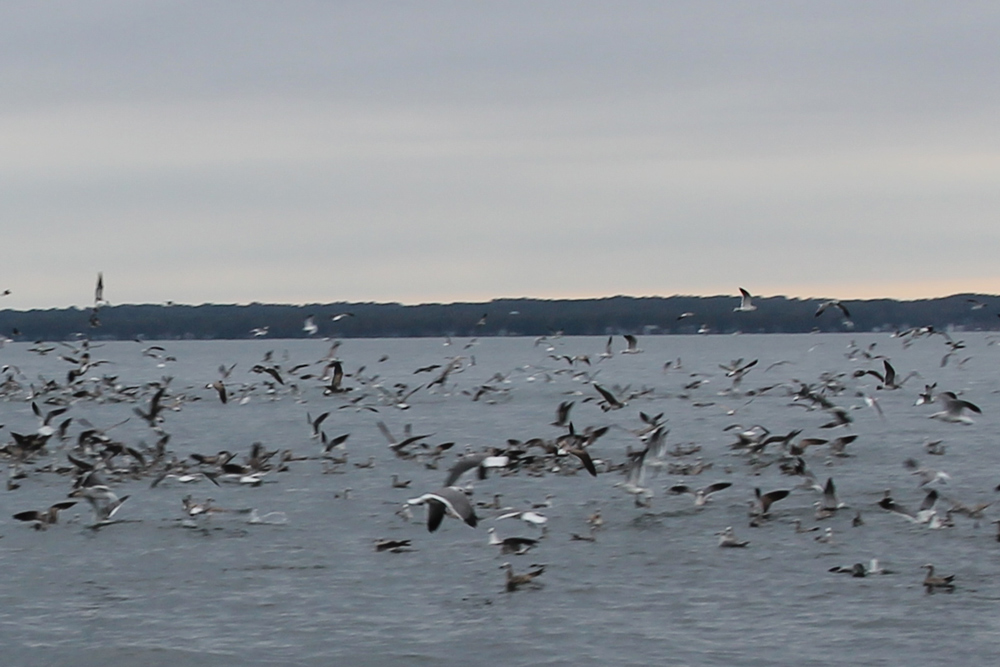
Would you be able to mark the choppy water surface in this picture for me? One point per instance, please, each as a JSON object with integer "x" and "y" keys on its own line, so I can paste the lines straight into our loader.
{"x": 652, "y": 587}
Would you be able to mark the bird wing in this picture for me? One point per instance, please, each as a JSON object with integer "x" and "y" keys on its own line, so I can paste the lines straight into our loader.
{"x": 462, "y": 466}
{"x": 455, "y": 500}
{"x": 890, "y": 373}
{"x": 435, "y": 514}
{"x": 585, "y": 459}
{"x": 608, "y": 396}
{"x": 718, "y": 486}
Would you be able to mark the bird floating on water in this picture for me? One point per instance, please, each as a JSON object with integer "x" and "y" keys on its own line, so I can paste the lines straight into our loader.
{"x": 727, "y": 538}
{"x": 515, "y": 581}
{"x": 933, "y": 583}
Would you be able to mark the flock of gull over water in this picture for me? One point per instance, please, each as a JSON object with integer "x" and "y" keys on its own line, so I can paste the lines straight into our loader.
{"x": 651, "y": 472}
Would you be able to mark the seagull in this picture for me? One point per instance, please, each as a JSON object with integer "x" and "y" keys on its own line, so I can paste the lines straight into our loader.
{"x": 336, "y": 379}
{"x": 103, "y": 501}
{"x": 45, "y": 428}
{"x": 800, "y": 529}
{"x": 746, "y": 303}
{"x": 511, "y": 545}
{"x": 481, "y": 462}
{"x": 533, "y": 518}
{"x": 340, "y": 316}
{"x": 514, "y": 581}
{"x": 316, "y": 423}
{"x": 270, "y": 370}
{"x": 737, "y": 368}
{"x": 830, "y": 502}
{"x": 927, "y": 395}
{"x": 701, "y": 496}
{"x": 926, "y": 475}
{"x": 833, "y": 303}
{"x": 574, "y": 444}
{"x": 562, "y": 413}
{"x": 632, "y": 345}
{"x": 932, "y": 582}
{"x": 840, "y": 417}
{"x": 309, "y": 326}
{"x": 220, "y": 389}
{"x": 954, "y": 346}
{"x": 923, "y": 515}
{"x": 761, "y": 505}
{"x": 186, "y": 478}
{"x": 888, "y": 378}
{"x": 393, "y": 546}
{"x": 727, "y": 538}
{"x": 44, "y": 518}
{"x": 610, "y": 402}
{"x": 152, "y": 416}
{"x": 953, "y": 409}
{"x": 99, "y": 292}
{"x": 449, "y": 500}
{"x": 859, "y": 570}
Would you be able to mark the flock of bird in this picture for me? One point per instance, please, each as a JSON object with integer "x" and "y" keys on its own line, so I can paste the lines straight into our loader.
{"x": 96, "y": 464}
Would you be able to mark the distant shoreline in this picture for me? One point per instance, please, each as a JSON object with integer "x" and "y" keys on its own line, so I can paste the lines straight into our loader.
{"x": 502, "y": 317}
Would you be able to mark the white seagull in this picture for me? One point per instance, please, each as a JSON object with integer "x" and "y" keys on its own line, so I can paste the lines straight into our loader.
{"x": 701, "y": 496}
{"x": 727, "y": 538}
{"x": 449, "y": 500}
{"x": 632, "y": 345}
{"x": 954, "y": 407}
{"x": 746, "y": 303}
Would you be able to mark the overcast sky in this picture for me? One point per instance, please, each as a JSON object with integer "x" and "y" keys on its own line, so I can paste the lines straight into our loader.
{"x": 295, "y": 152}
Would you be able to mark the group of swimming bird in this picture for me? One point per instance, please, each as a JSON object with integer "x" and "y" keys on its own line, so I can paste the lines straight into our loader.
{"x": 97, "y": 463}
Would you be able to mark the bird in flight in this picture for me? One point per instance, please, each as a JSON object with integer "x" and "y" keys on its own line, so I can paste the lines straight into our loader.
{"x": 746, "y": 302}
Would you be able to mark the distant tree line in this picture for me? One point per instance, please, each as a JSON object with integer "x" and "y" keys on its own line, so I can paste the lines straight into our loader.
{"x": 501, "y": 317}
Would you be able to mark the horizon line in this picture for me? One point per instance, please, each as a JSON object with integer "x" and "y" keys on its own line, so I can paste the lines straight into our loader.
{"x": 758, "y": 297}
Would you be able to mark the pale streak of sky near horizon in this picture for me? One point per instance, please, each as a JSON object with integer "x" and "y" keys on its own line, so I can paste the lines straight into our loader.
{"x": 295, "y": 152}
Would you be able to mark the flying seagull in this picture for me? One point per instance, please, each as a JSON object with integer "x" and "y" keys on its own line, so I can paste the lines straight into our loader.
{"x": 44, "y": 518}
{"x": 610, "y": 401}
{"x": 511, "y": 545}
{"x": 701, "y": 496}
{"x": 449, "y": 500}
{"x": 746, "y": 303}
{"x": 481, "y": 462}
{"x": 954, "y": 407}
{"x": 833, "y": 303}
{"x": 632, "y": 345}
{"x": 99, "y": 291}
{"x": 103, "y": 501}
